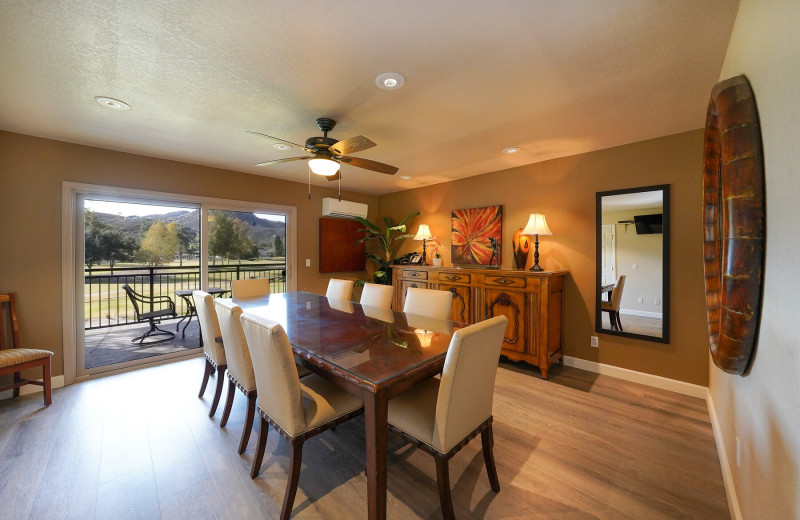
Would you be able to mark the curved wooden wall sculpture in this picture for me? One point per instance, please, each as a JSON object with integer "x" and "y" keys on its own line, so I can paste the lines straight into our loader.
{"x": 733, "y": 222}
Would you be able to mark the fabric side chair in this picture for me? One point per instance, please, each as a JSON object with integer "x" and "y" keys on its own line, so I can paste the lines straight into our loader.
{"x": 339, "y": 289}
{"x": 377, "y": 295}
{"x": 14, "y": 359}
{"x": 428, "y": 302}
{"x": 212, "y": 344}
{"x": 442, "y": 415}
{"x": 297, "y": 408}
{"x": 250, "y": 288}
{"x": 612, "y": 307}
{"x": 240, "y": 367}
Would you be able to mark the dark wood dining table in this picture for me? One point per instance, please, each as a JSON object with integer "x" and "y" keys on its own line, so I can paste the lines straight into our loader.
{"x": 372, "y": 353}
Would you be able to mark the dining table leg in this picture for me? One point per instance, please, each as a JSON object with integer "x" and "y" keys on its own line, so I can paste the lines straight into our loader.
{"x": 376, "y": 426}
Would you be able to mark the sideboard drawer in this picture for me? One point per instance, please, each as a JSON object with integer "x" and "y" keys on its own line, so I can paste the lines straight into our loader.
{"x": 455, "y": 277}
{"x": 415, "y": 275}
{"x": 517, "y": 282}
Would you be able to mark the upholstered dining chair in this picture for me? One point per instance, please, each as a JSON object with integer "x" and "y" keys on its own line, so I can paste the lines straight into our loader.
{"x": 14, "y": 359}
{"x": 339, "y": 289}
{"x": 212, "y": 344}
{"x": 612, "y": 306}
{"x": 442, "y": 415}
{"x": 297, "y": 408}
{"x": 240, "y": 367}
{"x": 250, "y": 288}
{"x": 377, "y": 295}
{"x": 428, "y": 302}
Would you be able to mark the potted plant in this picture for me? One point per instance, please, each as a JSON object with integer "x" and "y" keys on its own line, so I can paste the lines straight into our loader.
{"x": 387, "y": 240}
{"x": 434, "y": 247}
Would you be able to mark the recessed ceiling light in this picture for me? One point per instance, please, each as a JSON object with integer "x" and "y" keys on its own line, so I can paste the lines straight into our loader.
{"x": 390, "y": 80}
{"x": 116, "y": 104}
{"x": 511, "y": 149}
{"x": 279, "y": 146}
{"x": 405, "y": 177}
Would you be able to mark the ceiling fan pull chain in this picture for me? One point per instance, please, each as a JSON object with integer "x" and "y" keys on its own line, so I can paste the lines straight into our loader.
{"x": 340, "y": 184}
{"x": 309, "y": 183}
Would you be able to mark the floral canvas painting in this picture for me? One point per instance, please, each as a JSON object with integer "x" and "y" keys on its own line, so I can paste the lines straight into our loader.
{"x": 474, "y": 231}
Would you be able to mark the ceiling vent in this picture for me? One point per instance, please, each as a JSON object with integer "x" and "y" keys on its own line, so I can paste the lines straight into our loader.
{"x": 343, "y": 208}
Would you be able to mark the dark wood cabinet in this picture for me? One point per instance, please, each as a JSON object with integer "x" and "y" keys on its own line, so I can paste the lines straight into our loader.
{"x": 533, "y": 302}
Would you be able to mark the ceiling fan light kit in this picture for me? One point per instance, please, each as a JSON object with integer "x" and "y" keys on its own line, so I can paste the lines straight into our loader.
{"x": 324, "y": 167}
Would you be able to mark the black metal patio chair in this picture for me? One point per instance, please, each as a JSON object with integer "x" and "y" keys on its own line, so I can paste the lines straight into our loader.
{"x": 153, "y": 317}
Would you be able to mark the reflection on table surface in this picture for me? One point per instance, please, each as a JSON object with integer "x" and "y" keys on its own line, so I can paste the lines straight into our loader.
{"x": 373, "y": 344}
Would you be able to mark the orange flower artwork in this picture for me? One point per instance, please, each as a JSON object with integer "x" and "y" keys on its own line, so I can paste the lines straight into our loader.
{"x": 471, "y": 230}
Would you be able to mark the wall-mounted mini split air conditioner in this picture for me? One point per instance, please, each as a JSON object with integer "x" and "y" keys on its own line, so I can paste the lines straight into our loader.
{"x": 343, "y": 208}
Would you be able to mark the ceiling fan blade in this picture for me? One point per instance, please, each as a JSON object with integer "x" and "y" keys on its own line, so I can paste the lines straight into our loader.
{"x": 351, "y": 145}
{"x": 369, "y": 165}
{"x": 288, "y": 159}
{"x": 284, "y": 141}
{"x": 335, "y": 177}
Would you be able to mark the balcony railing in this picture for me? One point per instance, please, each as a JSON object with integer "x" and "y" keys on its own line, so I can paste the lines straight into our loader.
{"x": 106, "y": 305}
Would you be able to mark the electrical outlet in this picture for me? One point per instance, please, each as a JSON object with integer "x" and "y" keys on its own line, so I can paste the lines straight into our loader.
{"x": 639, "y": 300}
{"x": 658, "y": 301}
{"x": 595, "y": 342}
{"x": 308, "y": 262}
{"x": 738, "y": 453}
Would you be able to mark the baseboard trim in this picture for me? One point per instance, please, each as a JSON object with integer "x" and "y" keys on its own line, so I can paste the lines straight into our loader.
{"x": 646, "y": 314}
{"x": 664, "y": 383}
{"x": 727, "y": 474}
{"x": 56, "y": 382}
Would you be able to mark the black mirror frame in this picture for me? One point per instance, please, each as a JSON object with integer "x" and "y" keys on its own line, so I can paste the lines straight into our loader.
{"x": 665, "y": 265}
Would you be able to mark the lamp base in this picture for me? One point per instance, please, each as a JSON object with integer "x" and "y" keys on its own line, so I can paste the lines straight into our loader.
{"x": 535, "y": 268}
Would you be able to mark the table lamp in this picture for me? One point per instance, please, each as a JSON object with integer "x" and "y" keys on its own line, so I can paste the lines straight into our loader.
{"x": 537, "y": 225}
{"x": 423, "y": 233}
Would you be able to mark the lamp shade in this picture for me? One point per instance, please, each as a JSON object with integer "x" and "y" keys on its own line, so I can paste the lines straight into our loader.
{"x": 423, "y": 233}
{"x": 537, "y": 225}
{"x": 324, "y": 167}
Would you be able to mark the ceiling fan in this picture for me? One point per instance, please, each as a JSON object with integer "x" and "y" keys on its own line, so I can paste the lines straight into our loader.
{"x": 328, "y": 153}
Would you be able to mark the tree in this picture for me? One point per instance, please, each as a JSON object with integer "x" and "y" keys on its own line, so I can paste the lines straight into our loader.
{"x": 228, "y": 237}
{"x": 280, "y": 249}
{"x": 186, "y": 241}
{"x": 160, "y": 243}
{"x": 102, "y": 242}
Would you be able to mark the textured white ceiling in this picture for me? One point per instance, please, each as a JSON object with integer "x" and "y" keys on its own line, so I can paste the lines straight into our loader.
{"x": 555, "y": 78}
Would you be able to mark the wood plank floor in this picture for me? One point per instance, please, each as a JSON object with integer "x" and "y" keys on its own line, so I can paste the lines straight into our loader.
{"x": 141, "y": 445}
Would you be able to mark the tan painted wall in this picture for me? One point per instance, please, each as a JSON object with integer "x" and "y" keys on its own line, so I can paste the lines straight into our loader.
{"x": 762, "y": 408}
{"x": 31, "y": 174}
{"x": 646, "y": 252}
{"x": 564, "y": 190}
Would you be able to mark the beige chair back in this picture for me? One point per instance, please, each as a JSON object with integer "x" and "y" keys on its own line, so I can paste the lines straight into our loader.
{"x": 467, "y": 386}
{"x": 339, "y": 289}
{"x": 277, "y": 381}
{"x": 251, "y": 288}
{"x": 616, "y": 294}
{"x": 240, "y": 366}
{"x": 209, "y": 326}
{"x": 428, "y": 302}
{"x": 377, "y": 295}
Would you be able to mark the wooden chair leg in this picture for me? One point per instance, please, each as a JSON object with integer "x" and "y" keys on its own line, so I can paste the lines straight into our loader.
{"x": 218, "y": 391}
{"x": 443, "y": 480}
{"x": 295, "y": 460}
{"x": 487, "y": 439}
{"x": 206, "y": 375}
{"x": 226, "y": 412}
{"x": 17, "y": 379}
{"x": 263, "y": 431}
{"x": 248, "y": 421}
{"x": 619, "y": 322}
{"x": 48, "y": 389}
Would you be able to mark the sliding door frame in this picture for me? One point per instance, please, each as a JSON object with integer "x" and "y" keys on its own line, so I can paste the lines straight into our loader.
{"x": 72, "y": 254}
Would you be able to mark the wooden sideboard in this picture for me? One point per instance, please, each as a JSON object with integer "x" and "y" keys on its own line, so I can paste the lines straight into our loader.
{"x": 532, "y": 301}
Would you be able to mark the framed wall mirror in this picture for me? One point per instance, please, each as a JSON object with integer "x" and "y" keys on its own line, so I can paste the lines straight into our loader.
{"x": 632, "y": 289}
